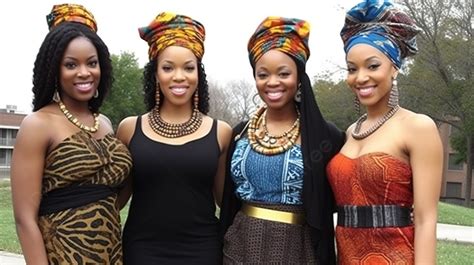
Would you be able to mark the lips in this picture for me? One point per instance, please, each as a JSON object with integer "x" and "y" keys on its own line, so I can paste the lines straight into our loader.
{"x": 84, "y": 86}
{"x": 365, "y": 91}
{"x": 178, "y": 91}
{"x": 274, "y": 95}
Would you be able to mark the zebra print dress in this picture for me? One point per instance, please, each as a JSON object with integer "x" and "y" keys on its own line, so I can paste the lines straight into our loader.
{"x": 91, "y": 233}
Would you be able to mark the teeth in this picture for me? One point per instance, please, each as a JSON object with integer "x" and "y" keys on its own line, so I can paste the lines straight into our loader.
{"x": 84, "y": 84}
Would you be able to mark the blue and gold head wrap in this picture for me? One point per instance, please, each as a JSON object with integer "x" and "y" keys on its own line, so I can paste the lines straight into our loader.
{"x": 379, "y": 24}
{"x": 169, "y": 29}
{"x": 289, "y": 35}
{"x": 70, "y": 13}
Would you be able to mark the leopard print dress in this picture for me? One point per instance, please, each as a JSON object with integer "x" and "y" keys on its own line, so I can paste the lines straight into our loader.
{"x": 91, "y": 233}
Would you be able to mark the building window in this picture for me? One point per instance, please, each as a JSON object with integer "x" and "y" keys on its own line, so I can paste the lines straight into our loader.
{"x": 452, "y": 165}
{"x": 453, "y": 189}
{"x": 3, "y": 157}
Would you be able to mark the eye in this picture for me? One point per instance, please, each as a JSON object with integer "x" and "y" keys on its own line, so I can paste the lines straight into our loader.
{"x": 189, "y": 68}
{"x": 374, "y": 66}
{"x": 167, "y": 68}
{"x": 69, "y": 65}
{"x": 93, "y": 63}
{"x": 262, "y": 75}
{"x": 350, "y": 69}
{"x": 284, "y": 74}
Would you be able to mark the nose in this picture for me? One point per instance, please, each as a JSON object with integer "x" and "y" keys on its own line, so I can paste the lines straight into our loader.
{"x": 178, "y": 75}
{"x": 273, "y": 80}
{"x": 83, "y": 71}
{"x": 361, "y": 77}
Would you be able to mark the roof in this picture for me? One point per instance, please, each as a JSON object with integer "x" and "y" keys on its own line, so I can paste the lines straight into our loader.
{"x": 11, "y": 119}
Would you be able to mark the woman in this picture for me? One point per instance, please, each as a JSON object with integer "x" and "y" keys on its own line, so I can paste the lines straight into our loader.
{"x": 67, "y": 164}
{"x": 278, "y": 205}
{"x": 392, "y": 159}
{"x": 178, "y": 153}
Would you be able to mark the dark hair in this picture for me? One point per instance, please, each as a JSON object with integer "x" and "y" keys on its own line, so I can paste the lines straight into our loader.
{"x": 149, "y": 87}
{"x": 46, "y": 69}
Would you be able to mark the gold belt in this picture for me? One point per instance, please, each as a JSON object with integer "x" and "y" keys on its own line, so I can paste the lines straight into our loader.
{"x": 273, "y": 215}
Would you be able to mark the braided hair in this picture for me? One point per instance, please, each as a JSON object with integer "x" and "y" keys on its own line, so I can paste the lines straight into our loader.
{"x": 46, "y": 68}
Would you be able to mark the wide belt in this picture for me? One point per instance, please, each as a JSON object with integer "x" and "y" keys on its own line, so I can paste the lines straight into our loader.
{"x": 373, "y": 216}
{"x": 273, "y": 215}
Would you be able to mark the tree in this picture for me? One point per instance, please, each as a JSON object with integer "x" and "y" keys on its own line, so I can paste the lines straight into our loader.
{"x": 335, "y": 100}
{"x": 439, "y": 82}
{"x": 126, "y": 96}
{"x": 233, "y": 102}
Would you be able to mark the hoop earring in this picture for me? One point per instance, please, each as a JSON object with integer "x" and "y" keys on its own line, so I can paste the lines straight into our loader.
{"x": 393, "y": 98}
{"x": 196, "y": 100}
{"x": 256, "y": 99}
{"x": 297, "y": 96}
{"x": 96, "y": 94}
{"x": 56, "y": 97}
{"x": 357, "y": 104}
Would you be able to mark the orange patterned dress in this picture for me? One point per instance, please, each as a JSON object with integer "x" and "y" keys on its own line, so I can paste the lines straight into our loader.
{"x": 372, "y": 179}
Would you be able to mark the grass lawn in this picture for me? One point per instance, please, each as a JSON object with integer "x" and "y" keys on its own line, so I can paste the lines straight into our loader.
{"x": 447, "y": 252}
{"x": 454, "y": 214}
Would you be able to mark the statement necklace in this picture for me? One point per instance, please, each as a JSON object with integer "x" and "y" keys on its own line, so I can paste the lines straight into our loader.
{"x": 76, "y": 122}
{"x": 356, "y": 134}
{"x": 174, "y": 130}
{"x": 263, "y": 142}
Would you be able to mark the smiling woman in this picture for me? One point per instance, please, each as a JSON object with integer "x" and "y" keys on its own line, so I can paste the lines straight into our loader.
{"x": 67, "y": 164}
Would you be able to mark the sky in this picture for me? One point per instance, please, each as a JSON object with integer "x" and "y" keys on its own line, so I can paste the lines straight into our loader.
{"x": 228, "y": 24}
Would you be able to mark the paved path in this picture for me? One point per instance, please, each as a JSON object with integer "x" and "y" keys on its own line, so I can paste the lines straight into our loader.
{"x": 457, "y": 233}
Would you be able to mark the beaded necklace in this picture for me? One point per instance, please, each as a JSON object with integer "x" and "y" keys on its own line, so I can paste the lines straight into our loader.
{"x": 76, "y": 122}
{"x": 356, "y": 134}
{"x": 174, "y": 130}
{"x": 263, "y": 142}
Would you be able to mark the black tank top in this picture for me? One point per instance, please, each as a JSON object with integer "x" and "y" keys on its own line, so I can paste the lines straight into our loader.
{"x": 172, "y": 212}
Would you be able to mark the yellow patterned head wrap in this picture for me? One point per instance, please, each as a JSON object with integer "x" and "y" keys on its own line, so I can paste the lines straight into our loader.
{"x": 169, "y": 29}
{"x": 72, "y": 13}
{"x": 289, "y": 35}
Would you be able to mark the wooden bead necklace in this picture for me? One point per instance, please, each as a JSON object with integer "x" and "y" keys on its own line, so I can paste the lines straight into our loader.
{"x": 263, "y": 142}
{"x": 356, "y": 134}
{"x": 172, "y": 130}
{"x": 76, "y": 122}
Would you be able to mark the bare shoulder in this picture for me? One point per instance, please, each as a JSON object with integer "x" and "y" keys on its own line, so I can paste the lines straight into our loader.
{"x": 224, "y": 134}
{"x": 417, "y": 123}
{"x": 126, "y": 128}
{"x": 224, "y": 127}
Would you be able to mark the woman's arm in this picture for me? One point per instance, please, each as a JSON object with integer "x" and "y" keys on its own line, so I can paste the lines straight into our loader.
{"x": 26, "y": 179}
{"x": 224, "y": 134}
{"x": 125, "y": 131}
{"x": 426, "y": 159}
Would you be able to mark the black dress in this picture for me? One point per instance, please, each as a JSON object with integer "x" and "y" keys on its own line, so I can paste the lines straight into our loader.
{"x": 172, "y": 213}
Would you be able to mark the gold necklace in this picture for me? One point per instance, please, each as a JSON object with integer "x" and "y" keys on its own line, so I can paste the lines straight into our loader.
{"x": 172, "y": 130}
{"x": 356, "y": 134}
{"x": 76, "y": 122}
{"x": 263, "y": 142}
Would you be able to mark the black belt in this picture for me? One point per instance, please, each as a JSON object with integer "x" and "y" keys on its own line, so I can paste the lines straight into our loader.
{"x": 373, "y": 216}
{"x": 73, "y": 196}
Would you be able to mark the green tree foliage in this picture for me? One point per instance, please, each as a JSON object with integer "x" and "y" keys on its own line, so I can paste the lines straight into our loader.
{"x": 126, "y": 96}
{"x": 439, "y": 82}
{"x": 336, "y": 101}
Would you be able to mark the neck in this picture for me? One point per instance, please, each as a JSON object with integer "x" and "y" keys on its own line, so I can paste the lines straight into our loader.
{"x": 287, "y": 113}
{"x": 175, "y": 113}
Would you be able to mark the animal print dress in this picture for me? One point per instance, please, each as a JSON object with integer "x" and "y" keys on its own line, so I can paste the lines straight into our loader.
{"x": 89, "y": 233}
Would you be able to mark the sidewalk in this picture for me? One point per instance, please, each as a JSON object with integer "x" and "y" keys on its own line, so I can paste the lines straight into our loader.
{"x": 464, "y": 234}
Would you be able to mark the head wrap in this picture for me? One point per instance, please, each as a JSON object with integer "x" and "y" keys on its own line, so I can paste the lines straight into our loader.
{"x": 379, "y": 24}
{"x": 169, "y": 29}
{"x": 289, "y": 35}
{"x": 72, "y": 13}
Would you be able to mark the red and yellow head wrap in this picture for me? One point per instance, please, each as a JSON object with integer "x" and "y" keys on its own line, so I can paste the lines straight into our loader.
{"x": 289, "y": 35}
{"x": 72, "y": 13}
{"x": 169, "y": 29}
